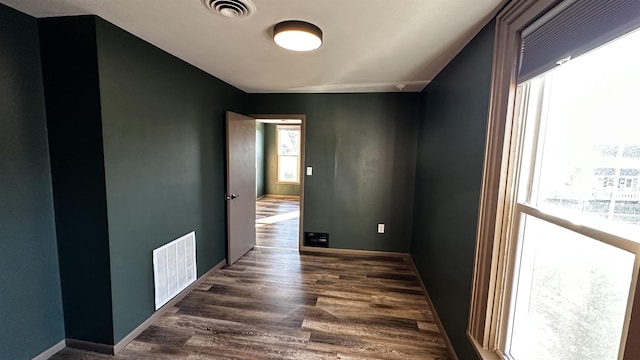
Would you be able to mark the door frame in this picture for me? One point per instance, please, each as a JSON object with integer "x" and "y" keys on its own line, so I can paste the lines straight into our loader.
{"x": 302, "y": 175}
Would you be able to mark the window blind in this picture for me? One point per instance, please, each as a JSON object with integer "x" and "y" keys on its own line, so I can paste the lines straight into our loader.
{"x": 573, "y": 28}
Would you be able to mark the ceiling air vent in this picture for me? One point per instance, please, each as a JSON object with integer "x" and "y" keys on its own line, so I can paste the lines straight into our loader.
{"x": 230, "y": 8}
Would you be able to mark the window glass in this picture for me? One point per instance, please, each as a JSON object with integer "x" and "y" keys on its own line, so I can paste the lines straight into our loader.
{"x": 572, "y": 295}
{"x": 288, "y": 168}
{"x": 589, "y": 150}
{"x": 289, "y": 141}
{"x": 288, "y": 153}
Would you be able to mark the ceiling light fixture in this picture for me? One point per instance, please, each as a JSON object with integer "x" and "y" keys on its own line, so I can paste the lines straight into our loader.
{"x": 297, "y": 35}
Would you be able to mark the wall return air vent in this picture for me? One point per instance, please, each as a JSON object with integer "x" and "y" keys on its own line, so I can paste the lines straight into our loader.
{"x": 174, "y": 268}
{"x": 231, "y": 8}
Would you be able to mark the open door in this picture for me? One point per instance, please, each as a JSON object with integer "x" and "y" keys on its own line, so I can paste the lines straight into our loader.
{"x": 241, "y": 185}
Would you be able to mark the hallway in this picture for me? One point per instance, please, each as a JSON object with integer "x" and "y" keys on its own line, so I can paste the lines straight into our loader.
{"x": 277, "y": 222}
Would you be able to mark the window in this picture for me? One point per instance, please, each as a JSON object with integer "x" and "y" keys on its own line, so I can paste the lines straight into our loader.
{"x": 288, "y": 141}
{"x": 559, "y": 229}
{"x": 575, "y": 243}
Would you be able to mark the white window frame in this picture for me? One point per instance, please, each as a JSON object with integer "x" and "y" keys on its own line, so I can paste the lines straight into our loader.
{"x": 298, "y": 157}
{"x": 494, "y": 255}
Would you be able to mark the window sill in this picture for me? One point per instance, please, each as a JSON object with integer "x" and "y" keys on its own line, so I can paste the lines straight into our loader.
{"x": 483, "y": 353}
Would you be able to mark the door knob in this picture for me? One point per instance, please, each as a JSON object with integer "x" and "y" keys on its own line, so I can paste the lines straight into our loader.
{"x": 234, "y": 196}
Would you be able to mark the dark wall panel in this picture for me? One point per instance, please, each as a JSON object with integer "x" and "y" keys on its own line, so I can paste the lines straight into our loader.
{"x": 163, "y": 122}
{"x": 30, "y": 298}
{"x": 362, "y": 150}
{"x": 271, "y": 165}
{"x": 70, "y": 76}
{"x": 448, "y": 180}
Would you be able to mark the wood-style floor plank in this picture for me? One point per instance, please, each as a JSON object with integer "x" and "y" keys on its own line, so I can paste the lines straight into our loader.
{"x": 279, "y": 304}
{"x": 285, "y": 232}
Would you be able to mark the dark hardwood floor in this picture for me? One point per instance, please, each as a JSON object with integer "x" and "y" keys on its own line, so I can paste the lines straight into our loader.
{"x": 277, "y": 222}
{"x": 276, "y": 303}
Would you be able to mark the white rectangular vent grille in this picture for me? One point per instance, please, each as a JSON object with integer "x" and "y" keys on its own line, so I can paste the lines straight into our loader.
{"x": 174, "y": 268}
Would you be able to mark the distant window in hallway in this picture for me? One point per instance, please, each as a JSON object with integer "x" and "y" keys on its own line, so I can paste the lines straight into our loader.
{"x": 288, "y": 141}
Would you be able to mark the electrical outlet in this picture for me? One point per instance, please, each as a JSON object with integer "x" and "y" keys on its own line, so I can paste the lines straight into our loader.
{"x": 380, "y": 228}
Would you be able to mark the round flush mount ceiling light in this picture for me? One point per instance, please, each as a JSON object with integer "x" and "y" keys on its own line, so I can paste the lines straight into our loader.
{"x": 297, "y": 35}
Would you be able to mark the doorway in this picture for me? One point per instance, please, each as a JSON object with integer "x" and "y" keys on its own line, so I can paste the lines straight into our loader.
{"x": 279, "y": 180}
{"x": 278, "y": 222}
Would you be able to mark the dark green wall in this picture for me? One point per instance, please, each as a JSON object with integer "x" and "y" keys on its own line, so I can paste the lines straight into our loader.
{"x": 448, "y": 179}
{"x": 30, "y": 299}
{"x": 137, "y": 153}
{"x": 272, "y": 187}
{"x": 75, "y": 140}
{"x": 163, "y": 124}
{"x": 259, "y": 159}
{"x": 362, "y": 149}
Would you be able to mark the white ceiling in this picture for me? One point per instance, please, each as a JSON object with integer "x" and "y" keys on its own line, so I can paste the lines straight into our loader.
{"x": 369, "y": 45}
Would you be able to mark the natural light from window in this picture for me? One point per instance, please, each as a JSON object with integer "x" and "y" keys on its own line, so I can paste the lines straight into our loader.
{"x": 577, "y": 211}
{"x": 590, "y": 156}
{"x": 288, "y": 154}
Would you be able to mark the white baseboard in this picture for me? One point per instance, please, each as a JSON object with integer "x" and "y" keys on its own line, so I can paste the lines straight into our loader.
{"x": 51, "y": 351}
{"x": 114, "y": 349}
{"x": 447, "y": 341}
